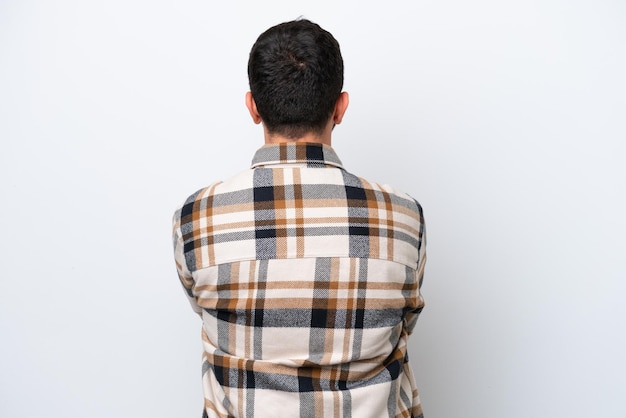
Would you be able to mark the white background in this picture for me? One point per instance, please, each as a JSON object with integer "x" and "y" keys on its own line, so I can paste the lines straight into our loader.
{"x": 505, "y": 119}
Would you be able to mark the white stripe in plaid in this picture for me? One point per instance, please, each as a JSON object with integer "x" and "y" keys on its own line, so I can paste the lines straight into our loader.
{"x": 307, "y": 279}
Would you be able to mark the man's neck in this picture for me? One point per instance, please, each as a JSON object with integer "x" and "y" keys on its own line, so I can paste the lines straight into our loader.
{"x": 307, "y": 138}
{"x": 323, "y": 138}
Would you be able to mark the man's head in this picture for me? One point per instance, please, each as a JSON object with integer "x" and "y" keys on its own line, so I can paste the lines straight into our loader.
{"x": 296, "y": 76}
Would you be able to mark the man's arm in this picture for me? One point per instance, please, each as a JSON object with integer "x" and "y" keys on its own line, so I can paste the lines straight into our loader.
{"x": 184, "y": 274}
{"x": 411, "y": 316}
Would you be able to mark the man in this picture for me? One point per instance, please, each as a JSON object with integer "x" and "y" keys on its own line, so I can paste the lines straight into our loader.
{"x": 306, "y": 277}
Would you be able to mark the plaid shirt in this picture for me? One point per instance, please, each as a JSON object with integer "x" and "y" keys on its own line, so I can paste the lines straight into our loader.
{"x": 308, "y": 281}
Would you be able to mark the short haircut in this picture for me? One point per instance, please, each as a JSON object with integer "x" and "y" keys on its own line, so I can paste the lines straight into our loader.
{"x": 295, "y": 72}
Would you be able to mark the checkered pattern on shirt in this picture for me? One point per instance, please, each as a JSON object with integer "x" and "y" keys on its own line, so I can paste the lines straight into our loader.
{"x": 307, "y": 279}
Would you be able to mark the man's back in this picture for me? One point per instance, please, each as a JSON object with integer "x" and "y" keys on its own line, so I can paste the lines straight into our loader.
{"x": 307, "y": 279}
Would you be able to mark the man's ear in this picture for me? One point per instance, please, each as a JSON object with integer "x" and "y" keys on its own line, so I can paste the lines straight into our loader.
{"x": 251, "y": 105}
{"x": 340, "y": 107}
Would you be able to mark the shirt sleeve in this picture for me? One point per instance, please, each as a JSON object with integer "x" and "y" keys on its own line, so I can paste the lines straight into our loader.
{"x": 184, "y": 274}
{"x": 413, "y": 314}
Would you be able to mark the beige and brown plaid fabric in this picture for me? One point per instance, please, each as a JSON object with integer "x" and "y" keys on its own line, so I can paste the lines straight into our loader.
{"x": 308, "y": 281}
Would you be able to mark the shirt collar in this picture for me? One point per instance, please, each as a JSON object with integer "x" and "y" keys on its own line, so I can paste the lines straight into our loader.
{"x": 310, "y": 153}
